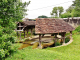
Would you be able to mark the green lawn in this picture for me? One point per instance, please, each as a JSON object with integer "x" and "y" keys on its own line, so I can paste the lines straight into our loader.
{"x": 69, "y": 52}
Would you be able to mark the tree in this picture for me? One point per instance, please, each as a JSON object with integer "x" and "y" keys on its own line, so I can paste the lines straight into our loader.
{"x": 76, "y": 2}
{"x": 56, "y": 10}
{"x": 70, "y": 9}
{"x": 66, "y": 15}
{"x": 60, "y": 10}
{"x": 73, "y": 10}
{"x": 76, "y": 11}
{"x": 43, "y": 16}
{"x": 11, "y": 11}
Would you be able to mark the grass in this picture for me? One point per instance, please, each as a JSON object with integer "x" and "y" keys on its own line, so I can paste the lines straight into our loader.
{"x": 69, "y": 52}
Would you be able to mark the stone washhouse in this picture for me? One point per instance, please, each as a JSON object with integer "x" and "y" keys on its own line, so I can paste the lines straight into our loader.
{"x": 25, "y": 26}
{"x": 52, "y": 26}
{"x": 45, "y": 26}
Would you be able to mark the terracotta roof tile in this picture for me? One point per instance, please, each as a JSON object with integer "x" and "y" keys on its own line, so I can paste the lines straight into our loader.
{"x": 50, "y": 25}
{"x": 28, "y": 23}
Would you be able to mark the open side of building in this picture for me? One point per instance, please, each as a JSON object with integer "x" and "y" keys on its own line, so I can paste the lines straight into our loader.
{"x": 52, "y": 26}
{"x": 25, "y": 26}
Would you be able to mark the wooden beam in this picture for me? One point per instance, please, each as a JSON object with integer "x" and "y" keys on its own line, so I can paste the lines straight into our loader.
{"x": 40, "y": 41}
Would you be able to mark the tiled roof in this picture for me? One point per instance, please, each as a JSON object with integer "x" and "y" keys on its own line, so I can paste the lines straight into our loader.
{"x": 50, "y": 25}
{"x": 29, "y": 22}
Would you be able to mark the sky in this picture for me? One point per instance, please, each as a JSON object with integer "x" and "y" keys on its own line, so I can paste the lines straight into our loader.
{"x": 44, "y": 7}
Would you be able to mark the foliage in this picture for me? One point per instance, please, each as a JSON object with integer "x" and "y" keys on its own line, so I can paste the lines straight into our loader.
{"x": 67, "y": 39}
{"x": 43, "y": 16}
{"x": 57, "y": 43}
{"x": 70, "y": 9}
{"x": 66, "y": 15}
{"x": 56, "y": 9}
{"x": 74, "y": 9}
{"x": 76, "y": 2}
{"x": 60, "y": 10}
{"x": 75, "y": 13}
{"x": 55, "y": 17}
{"x": 78, "y": 29}
{"x": 11, "y": 11}
{"x": 69, "y": 52}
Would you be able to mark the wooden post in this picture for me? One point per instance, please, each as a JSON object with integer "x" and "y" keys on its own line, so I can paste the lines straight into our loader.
{"x": 64, "y": 38}
{"x": 24, "y": 33}
{"x": 70, "y": 35}
{"x": 68, "y": 20}
{"x": 55, "y": 38}
{"x": 27, "y": 33}
{"x": 31, "y": 31}
{"x": 20, "y": 34}
{"x": 19, "y": 25}
{"x": 61, "y": 38}
{"x": 17, "y": 34}
{"x": 40, "y": 41}
{"x": 43, "y": 35}
{"x": 20, "y": 29}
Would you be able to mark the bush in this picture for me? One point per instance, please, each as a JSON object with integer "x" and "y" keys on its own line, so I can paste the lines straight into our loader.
{"x": 67, "y": 39}
{"x": 57, "y": 44}
{"x": 6, "y": 41}
{"x": 8, "y": 21}
{"x": 78, "y": 29}
{"x": 66, "y": 15}
{"x": 75, "y": 13}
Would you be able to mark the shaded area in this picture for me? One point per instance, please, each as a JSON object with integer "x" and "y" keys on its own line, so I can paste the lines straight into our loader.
{"x": 47, "y": 41}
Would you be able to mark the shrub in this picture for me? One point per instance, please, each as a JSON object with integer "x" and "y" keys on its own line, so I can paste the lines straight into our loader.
{"x": 6, "y": 41}
{"x": 8, "y": 19}
{"x": 66, "y": 15}
{"x": 57, "y": 44}
{"x": 67, "y": 39}
{"x": 78, "y": 29}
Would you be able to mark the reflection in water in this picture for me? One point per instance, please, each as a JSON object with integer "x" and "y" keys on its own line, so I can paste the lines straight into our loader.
{"x": 35, "y": 44}
{"x": 24, "y": 46}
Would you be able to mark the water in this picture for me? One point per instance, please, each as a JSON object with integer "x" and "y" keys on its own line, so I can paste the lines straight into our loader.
{"x": 46, "y": 42}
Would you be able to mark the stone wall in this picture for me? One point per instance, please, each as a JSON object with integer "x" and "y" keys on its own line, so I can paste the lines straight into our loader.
{"x": 73, "y": 21}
